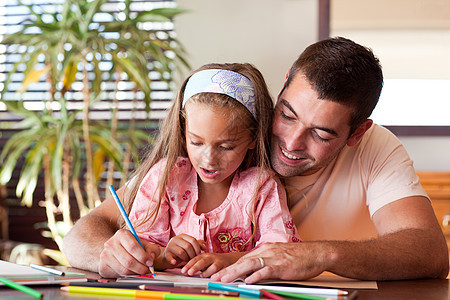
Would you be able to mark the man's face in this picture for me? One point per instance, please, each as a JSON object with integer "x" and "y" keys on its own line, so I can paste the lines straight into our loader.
{"x": 308, "y": 132}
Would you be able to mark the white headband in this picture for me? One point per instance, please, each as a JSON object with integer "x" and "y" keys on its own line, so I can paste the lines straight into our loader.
{"x": 225, "y": 82}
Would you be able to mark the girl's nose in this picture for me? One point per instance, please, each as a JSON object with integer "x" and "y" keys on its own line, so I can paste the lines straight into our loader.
{"x": 210, "y": 156}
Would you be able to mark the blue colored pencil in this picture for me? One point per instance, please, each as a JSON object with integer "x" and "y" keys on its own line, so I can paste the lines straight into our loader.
{"x": 127, "y": 221}
{"x": 226, "y": 287}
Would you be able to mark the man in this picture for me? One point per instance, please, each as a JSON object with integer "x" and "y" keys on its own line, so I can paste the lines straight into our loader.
{"x": 352, "y": 190}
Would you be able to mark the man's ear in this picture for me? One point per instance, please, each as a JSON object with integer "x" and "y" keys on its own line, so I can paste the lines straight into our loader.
{"x": 359, "y": 132}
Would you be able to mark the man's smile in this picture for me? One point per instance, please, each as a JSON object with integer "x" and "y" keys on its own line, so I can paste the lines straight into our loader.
{"x": 290, "y": 156}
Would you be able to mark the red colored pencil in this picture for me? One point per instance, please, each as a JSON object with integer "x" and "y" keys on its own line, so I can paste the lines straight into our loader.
{"x": 270, "y": 295}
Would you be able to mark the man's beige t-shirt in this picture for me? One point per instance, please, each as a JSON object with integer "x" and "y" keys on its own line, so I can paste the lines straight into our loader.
{"x": 337, "y": 202}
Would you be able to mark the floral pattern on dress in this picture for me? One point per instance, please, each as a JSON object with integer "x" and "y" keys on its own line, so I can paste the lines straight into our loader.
{"x": 181, "y": 163}
{"x": 290, "y": 226}
{"x": 233, "y": 240}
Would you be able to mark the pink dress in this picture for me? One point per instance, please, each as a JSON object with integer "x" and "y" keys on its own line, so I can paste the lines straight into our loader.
{"x": 225, "y": 228}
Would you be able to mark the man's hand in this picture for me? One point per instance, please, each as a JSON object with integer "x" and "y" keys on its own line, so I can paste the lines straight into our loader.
{"x": 287, "y": 261}
{"x": 122, "y": 255}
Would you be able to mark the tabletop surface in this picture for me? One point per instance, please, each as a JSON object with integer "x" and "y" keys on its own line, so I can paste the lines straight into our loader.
{"x": 435, "y": 289}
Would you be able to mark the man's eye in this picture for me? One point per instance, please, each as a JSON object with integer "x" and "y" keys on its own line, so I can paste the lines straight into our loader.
{"x": 318, "y": 137}
{"x": 285, "y": 116}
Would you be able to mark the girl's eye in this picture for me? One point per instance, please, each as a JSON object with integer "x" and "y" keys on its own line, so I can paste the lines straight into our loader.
{"x": 195, "y": 143}
{"x": 227, "y": 148}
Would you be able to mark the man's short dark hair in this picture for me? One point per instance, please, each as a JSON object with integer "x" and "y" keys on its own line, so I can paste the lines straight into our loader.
{"x": 342, "y": 71}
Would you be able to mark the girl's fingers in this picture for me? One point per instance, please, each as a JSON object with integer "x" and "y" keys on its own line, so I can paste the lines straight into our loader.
{"x": 212, "y": 269}
{"x": 190, "y": 245}
{"x": 171, "y": 258}
{"x": 195, "y": 266}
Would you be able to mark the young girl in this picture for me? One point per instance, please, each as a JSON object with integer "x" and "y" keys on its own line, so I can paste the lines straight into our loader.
{"x": 205, "y": 193}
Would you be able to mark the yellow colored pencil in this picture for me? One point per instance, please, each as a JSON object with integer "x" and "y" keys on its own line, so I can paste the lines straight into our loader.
{"x": 140, "y": 293}
{"x": 114, "y": 292}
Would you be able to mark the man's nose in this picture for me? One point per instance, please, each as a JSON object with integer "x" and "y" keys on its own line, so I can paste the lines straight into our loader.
{"x": 295, "y": 138}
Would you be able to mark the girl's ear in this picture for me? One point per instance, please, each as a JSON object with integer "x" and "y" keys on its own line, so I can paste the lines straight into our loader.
{"x": 252, "y": 144}
{"x": 359, "y": 132}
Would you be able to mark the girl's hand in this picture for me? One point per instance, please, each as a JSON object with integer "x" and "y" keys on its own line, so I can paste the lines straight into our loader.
{"x": 180, "y": 249}
{"x": 207, "y": 264}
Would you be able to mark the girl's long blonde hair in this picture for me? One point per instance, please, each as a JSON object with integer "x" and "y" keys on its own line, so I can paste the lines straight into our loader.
{"x": 170, "y": 143}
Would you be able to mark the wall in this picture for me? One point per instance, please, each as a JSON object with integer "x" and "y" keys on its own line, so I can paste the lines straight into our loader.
{"x": 267, "y": 33}
{"x": 428, "y": 153}
{"x": 271, "y": 33}
{"x": 412, "y": 40}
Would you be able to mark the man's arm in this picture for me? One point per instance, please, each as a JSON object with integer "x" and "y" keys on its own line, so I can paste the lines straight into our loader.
{"x": 96, "y": 244}
{"x": 84, "y": 242}
{"x": 410, "y": 245}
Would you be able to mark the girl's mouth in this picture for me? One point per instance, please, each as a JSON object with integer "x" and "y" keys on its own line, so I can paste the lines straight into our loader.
{"x": 210, "y": 174}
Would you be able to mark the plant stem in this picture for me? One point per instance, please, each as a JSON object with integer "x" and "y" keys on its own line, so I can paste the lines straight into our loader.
{"x": 91, "y": 189}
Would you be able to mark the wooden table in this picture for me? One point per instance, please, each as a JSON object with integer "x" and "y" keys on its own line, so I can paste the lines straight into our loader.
{"x": 433, "y": 289}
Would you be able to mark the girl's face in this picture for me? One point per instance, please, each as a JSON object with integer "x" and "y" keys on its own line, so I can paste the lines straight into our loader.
{"x": 216, "y": 146}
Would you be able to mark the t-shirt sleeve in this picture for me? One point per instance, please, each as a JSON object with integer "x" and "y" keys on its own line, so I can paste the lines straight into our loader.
{"x": 390, "y": 172}
{"x": 145, "y": 203}
{"x": 274, "y": 222}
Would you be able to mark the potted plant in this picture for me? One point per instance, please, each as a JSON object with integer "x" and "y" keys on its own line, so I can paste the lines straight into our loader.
{"x": 60, "y": 142}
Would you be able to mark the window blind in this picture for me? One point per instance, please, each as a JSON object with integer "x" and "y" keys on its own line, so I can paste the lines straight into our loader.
{"x": 12, "y": 14}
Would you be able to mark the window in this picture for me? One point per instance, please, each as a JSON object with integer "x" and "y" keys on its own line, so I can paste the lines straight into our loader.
{"x": 12, "y": 13}
{"x": 411, "y": 38}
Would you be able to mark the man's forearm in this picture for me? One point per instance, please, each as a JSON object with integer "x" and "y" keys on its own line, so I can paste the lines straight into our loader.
{"x": 84, "y": 243}
{"x": 406, "y": 254}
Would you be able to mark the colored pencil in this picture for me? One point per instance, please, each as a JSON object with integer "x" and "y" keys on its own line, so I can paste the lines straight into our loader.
{"x": 115, "y": 285}
{"x": 113, "y": 292}
{"x": 241, "y": 290}
{"x": 171, "y": 289}
{"x": 188, "y": 290}
{"x": 139, "y": 293}
{"x": 299, "y": 290}
{"x": 21, "y": 288}
{"x": 173, "y": 296}
{"x": 270, "y": 295}
{"x": 127, "y": 220}
{"x": 47, "y": 269}
{"x": 299, "y": 296}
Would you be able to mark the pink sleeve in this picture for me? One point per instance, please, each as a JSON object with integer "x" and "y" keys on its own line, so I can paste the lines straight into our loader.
{"x": 275, "y": 223}
{"x": 144, "y": 203}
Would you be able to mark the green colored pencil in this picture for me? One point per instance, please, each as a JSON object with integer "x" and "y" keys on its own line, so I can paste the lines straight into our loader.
{"x": 21, "y": 288}
{"x": 298, "y": 296}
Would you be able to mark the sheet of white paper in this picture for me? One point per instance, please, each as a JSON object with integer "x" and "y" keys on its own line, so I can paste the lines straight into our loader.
{"x": 11, "y": 269}
{"x": 326, "y": 279}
